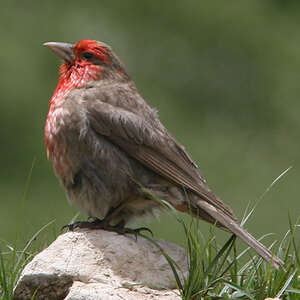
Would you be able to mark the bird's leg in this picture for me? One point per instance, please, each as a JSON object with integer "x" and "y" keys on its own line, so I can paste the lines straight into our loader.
{"x": 104, "y": 224}
{"x": 96, "y": 223}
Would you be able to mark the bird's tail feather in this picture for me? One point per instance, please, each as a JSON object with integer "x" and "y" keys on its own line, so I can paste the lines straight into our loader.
{"x": 235, "y": 228}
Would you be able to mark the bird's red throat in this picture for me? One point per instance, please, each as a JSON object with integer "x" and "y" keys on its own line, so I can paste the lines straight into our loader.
{"x": 73, "y": 76}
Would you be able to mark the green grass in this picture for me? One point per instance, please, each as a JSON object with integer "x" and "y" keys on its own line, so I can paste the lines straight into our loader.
{"x": 216, "y": 272}
{"x": 12, "y": 262}
{"x": 226, "y": 273}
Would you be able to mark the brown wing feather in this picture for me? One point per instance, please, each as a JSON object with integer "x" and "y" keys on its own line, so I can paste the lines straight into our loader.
{"x": 151, "y": 146}
{"x": 156, "y": 149}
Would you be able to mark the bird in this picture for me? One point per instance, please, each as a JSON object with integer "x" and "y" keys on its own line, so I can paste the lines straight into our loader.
{"x": 112, "y": 154}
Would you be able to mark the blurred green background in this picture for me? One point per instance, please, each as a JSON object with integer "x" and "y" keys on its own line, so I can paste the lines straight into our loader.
{"x": 225, "y": 76}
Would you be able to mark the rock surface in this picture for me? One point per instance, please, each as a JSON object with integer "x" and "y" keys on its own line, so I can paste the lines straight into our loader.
{"x": 96, "y": 264}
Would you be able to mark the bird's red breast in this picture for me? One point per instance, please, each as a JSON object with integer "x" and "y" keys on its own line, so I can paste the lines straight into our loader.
{"x": 72, "y": 75}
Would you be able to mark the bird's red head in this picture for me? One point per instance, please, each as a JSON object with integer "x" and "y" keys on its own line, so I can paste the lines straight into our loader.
{"x": 83, "y": 62}
{"x": 84, "y": 52}
{"x": 88, "y": 51}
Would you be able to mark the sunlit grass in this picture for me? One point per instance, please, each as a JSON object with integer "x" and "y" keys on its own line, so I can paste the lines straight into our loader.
{"x": 216, "y": 272}
{"x": 222, "y": 272}
{"x": 12, "y": 262}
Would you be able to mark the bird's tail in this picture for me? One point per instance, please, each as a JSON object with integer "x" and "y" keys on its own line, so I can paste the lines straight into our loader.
{"x": 235, "y": 228}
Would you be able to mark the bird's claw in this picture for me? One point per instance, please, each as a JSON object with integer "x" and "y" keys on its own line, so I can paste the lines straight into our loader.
{"x": 102, "y": 224}
{"x": 95, "y": 224}
{"x": 135, "y": 231}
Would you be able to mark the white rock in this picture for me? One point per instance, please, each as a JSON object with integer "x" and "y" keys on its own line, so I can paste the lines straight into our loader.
{"x": 97, "y": 264}
{"x": 93, "y": 291}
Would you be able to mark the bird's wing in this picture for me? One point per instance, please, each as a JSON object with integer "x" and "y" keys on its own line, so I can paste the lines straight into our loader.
{"x": 152, "y": 146}
{"x": 156, "y": 149}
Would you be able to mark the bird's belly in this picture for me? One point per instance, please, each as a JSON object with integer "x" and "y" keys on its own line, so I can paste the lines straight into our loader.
{"x": 95, "y": 174}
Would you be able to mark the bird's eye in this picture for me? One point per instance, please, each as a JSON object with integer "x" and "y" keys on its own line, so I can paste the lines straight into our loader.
{"x": 87, "y": 55}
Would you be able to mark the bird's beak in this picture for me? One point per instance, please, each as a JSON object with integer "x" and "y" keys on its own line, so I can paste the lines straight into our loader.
{"x": 63, "y": 50}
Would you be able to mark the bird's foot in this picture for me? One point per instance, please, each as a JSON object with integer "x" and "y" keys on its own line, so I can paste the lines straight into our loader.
{"x": 121, "y": 229}
{"x": 104, "y": 225}
{"x": 95, "y": 224}
{"x": 135, "y": 232}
